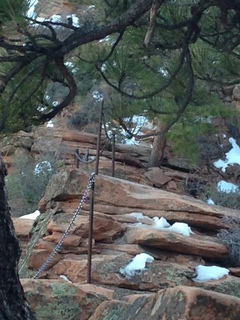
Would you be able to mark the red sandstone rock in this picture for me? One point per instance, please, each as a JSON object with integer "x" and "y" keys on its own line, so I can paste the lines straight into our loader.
{"x": 23, "y": 227}
{"x": 171, "y": 241}
{"x": 173, "y": 303}
{"x": 105, "y": 228}
{"x": 70, "y": 240}
{"x": 157, "y": 177}
{"x": 58, "y": 299}
{"x": 39, "y": 256}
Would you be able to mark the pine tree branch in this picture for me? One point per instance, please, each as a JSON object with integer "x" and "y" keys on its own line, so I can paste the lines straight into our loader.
{"x": 152, "y": 21}
{"x": 71, "y": 95}
{"x": 93, "y": 32}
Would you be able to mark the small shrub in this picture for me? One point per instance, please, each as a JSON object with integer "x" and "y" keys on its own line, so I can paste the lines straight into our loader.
{"x": 224, "y": 199}
{"x": 231, "y": 238}
{"x": 64, "y": 306}
{"x": 27, "y": 183}
{"x": 194, "y": 186}
{"x": 78, "y": 120}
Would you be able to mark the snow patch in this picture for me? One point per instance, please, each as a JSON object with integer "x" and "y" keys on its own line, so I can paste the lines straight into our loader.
{"x": 62, "y": 276}
{"x": 181, "y": 228}
{"x": 31, "y": 11}
{"x": 210, "y": 201}
{"x": 140, "y": 216}
{"x": 75, "y": 20}
{"x": 42, "y": 167}
{"x": 227, "y": 187}
{"x": 232, "y": 157}
{"x": 137, "y": 265}
{"x": 209, "y": 273}
{"x": 160, "y": 223}
{"x": 178, "y": 227}
{"x": 50, "y": 124}
{"x": 32, "y": 216}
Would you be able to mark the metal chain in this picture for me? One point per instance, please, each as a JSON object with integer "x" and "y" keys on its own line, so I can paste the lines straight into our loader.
{"x": 78, "y": 210}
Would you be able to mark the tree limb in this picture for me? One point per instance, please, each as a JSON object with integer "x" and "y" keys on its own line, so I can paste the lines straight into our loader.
{"x": 72, "y": 91}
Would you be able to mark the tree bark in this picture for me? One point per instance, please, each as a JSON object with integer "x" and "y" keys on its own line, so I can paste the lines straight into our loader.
{"x": 13, "y": 305}
{"x": 159, "y": 144}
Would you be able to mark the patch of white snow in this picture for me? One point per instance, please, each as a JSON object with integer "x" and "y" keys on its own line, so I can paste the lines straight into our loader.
{"x": 210, "y": 201}
{"x": 65, "y": 278}
{"x": 137, "y": 264}
{"x": 209, "y": 273}
{"x": 32, "y": 216}
{"x": 227, "y": 187}
{"x": 232, "y": 156}
{"x": 160, "y": 223}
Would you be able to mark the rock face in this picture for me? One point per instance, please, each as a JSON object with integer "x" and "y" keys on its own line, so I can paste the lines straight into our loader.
{"x": 124, "y": 227}
{"x": 175, "y": 303}
{"x": 59, "y": 299}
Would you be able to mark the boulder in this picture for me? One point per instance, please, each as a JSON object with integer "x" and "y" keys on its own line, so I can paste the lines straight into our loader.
{"x": 174, "y": 303}
{"x": 23, "y": 228}
{"x": 157, "y": 177}
{"x": 203, "y": 246}
{"x": 106, "y": 270}
{"x": 118, "y": 196}
{"x": 105, "y": 228}
{"x": 59, "y": 299}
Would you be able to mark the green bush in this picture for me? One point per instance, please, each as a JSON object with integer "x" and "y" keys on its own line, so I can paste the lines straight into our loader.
{"x": 231, "y": 238}
{"x": 225, "y": 199}
{"x": 27, "y": 183}
{"x": 78, "y": 120}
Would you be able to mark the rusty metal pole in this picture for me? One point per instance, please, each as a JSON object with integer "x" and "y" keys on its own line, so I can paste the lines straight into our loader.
{"x": 77, "y": 161}
{"x": 90, "y": 235}
{"x": 99, "y": 140}
{"x": 113, "y": 152}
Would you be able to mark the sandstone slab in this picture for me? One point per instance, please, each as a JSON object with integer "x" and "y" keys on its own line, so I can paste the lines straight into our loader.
{"x": 105, "y": 228}
{"x": 23, "y": 227}
{"x": 170, "y": 241}
{"x": 174, "y": 303}
{"x": 121, "y": 197}
{"x": 58, "y": 299}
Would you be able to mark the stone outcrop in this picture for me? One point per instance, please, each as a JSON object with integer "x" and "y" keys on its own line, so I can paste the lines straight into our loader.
{"x": 176, "y": 303}
{"x": 124, "y": 227}
{"x": 62, "y": 300}
{"x": 58, "y": 299}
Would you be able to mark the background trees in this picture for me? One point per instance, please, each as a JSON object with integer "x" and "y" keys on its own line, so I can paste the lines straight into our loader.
{"x": 163, "y": 63}
{"x": 152, "y": 57}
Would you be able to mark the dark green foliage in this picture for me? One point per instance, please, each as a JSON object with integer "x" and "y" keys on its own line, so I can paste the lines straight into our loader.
{"x": 18, "y": 110}
{"x": 12, "y": 10}
{"x": 178, "y": 75}
{"x": 195, "y": 126}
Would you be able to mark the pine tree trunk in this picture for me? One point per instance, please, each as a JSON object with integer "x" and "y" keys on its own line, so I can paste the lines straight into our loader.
{"x": 159, "y": 144}
{"x": 13, "y": 305}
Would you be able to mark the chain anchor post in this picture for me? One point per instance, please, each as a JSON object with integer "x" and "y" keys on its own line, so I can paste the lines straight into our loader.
{"x": 90, "y": 235}
{"x": 90, "y": 187}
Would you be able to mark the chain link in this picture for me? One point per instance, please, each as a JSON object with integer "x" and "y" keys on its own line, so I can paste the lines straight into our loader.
{"x": 78, "y": 210}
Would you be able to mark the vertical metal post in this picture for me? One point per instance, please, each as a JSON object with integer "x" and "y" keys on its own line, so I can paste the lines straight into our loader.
{"x": 99, "y": 140}
{"x": 113, "y": 153}
{"x": 90, "y": 235}
{"x": 77, "y": 161}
